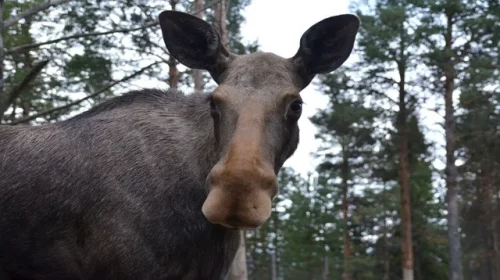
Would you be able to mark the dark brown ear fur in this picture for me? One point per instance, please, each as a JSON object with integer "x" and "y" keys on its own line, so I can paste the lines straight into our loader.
{"x": 193, "y": 42}
{"x": 325, "y": 46}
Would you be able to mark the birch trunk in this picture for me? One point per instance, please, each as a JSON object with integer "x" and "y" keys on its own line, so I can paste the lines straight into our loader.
{"x": 2, "y": 97}
{"x": 238, "y": 269}
{"x": 173, "y": 72}
{"x": 455, "y": 247}
{"x": 198, "y": 73}
{"x": 404, "y": 175}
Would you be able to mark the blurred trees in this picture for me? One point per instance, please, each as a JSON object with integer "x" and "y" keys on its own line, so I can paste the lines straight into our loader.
{"x": 74, "y": 54}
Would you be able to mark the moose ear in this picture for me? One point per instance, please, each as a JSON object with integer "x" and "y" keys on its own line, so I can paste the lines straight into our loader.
{"x": 193, "y": 42}
{"x": 325, "y": 46}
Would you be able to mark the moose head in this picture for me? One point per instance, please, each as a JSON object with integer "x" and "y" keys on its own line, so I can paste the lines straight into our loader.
{"x": 255, "y": 108}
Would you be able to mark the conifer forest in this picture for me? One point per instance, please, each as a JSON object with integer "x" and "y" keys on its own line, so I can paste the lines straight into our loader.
{"x": 407, "y": 184}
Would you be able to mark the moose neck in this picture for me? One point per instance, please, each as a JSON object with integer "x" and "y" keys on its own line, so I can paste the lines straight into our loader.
{"x": 187, "y": 121}
{"x": 177, "y": 128}
{"x": 200, "y": 146}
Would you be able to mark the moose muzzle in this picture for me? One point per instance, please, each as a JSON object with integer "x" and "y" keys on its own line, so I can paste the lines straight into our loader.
{"x": 240, "y": 193}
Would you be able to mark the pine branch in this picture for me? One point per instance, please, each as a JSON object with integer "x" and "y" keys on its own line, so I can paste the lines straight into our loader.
{"x": 16, "y": 91}
{"x": 76, "y": 102}
{"x": 92, "y": 34}
{"x": 78, "y": 36}
{"x": 34, "y": 10}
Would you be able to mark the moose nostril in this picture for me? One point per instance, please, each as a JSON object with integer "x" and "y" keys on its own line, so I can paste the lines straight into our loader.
{"x": 240, "y": 193}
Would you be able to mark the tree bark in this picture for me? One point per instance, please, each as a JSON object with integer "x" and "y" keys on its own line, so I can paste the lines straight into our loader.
{"x": 489, "y": 252}
{"x": 274, "y": 256}
{"x": 26, "y": 105}
{"x": 405, "y": 200}
{"x": 238, "y": 269}
{"x": 387, "y": 261}
{"x": 12, "y": 116}
{"x": 198, "y": 73}
{"x": 173, "y": 72}
{"x": 404, "y": 177}
{"x": 345, "y": 209}
{"x": 495, "y": 246}
{"x": 10, "y": 97}
{"x": 2, "y": 97}
{"x": 34, "y": 10}
{"x": 455, "y": 270}
{"x": 326, "y": 270}
{"x": 274, "y": 266}
{"x": 221, "y": 22}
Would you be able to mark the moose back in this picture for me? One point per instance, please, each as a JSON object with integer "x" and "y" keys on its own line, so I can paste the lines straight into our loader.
{"x": 156, "y": 184}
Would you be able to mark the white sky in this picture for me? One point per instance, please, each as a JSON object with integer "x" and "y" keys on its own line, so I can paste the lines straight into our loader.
{"x": 278, "y": 26}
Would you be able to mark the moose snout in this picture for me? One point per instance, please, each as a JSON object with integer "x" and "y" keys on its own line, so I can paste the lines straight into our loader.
{"x": 240, "y": 195}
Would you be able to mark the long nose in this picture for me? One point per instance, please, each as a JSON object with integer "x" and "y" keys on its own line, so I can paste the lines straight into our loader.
{"x": 243, "y": 184}
{"x": 240, "y": 193}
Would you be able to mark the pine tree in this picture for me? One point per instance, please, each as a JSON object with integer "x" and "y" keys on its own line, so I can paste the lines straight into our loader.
{"x": 462, "y": 25}
{"x": 388, "y": 44}
{"x": 346, "y": 124}
{"x": 479, "y": 123}
{"x": 430, "y": 257}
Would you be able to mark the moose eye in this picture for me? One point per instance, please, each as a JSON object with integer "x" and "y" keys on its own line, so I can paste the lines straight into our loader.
{"x": 296, "y": 106}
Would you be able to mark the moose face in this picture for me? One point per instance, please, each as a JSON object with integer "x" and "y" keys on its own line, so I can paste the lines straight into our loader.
{"x": 255, "y": 108}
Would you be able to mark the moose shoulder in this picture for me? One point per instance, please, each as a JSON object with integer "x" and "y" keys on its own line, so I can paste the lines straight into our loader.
{"x": 156, "y": 184}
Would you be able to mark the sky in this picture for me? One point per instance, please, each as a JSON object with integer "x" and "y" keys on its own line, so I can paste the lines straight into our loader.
{"x": 278, "y": 26}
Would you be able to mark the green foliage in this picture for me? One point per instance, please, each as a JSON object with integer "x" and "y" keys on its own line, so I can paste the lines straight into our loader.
{"x": 83, "y": 65}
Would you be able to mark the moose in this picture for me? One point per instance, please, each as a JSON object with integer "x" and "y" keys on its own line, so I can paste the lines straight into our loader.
{"x": 157, "y": 184}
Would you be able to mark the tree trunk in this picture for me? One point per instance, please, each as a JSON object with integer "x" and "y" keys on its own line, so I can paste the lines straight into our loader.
{"x": 387, "y": 261}
{"x": 456, "y": 270}
{"x": 221, "y": 22}
{"x": 405, "y": 201}
{"x": 345, "y": 217}
{"x": 13, "y": 113}
{"x": 198, "y": 73}
{"x": 496, "y": 245}
{"x": 238, "y": 269}
{"x": 326, "y": 270}
{"x": 274, "y": 266}
{"x": 2, "y": 97}
{"x": 274, "y": 258}
{"x": 488, "y": 219}
{"x": 173, "y": 72}
{"x": 26, "y": 105}
{"x": 404, "y": 177}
